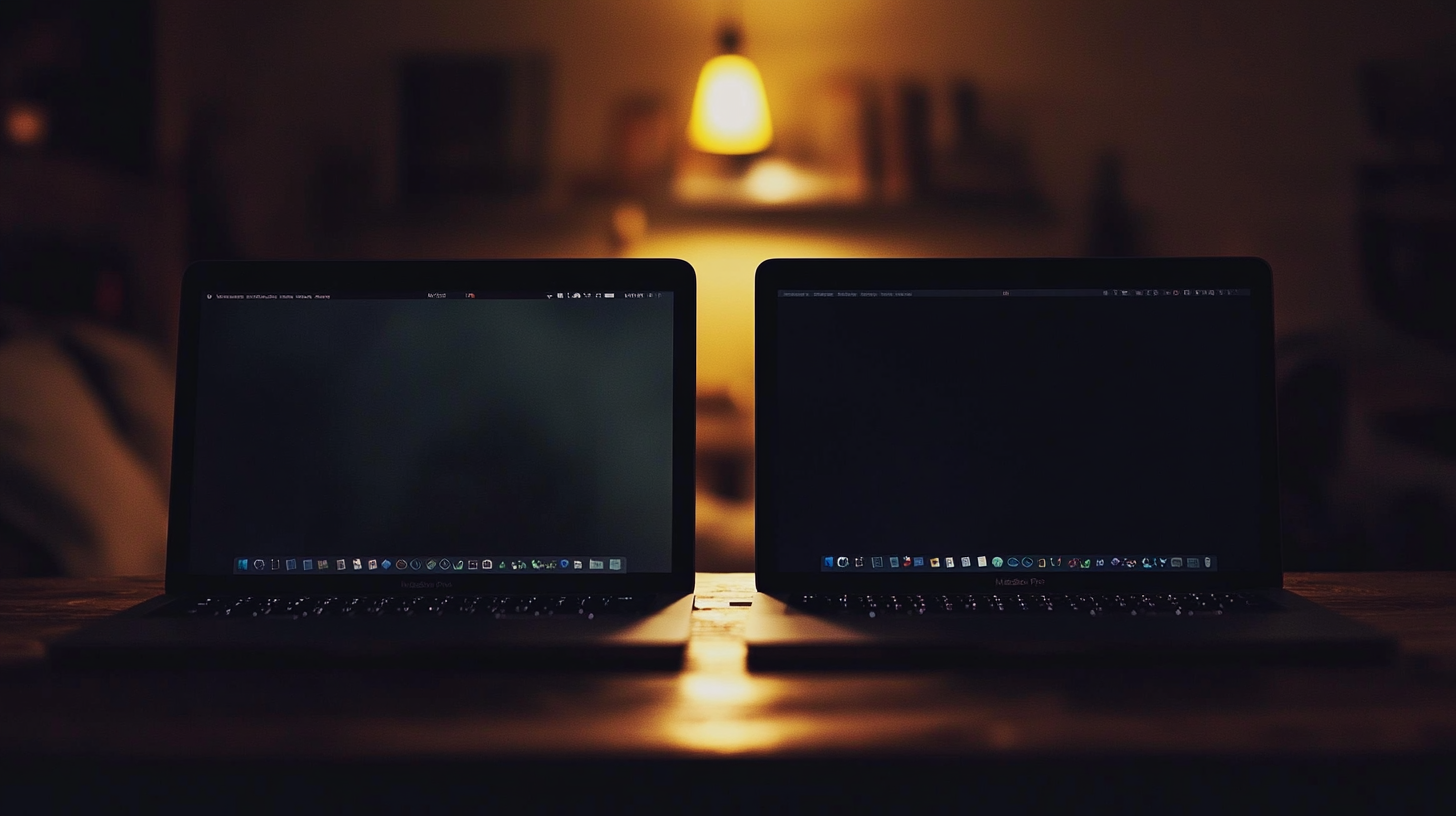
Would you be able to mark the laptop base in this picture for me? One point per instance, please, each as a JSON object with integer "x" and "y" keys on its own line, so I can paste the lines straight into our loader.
{"x": 781, "y": 637}
{"x": 135, "y": 638}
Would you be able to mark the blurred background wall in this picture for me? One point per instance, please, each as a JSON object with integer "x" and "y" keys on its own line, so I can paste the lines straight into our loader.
{"x": 1306, "y": 132}
{"x": 1241, "y": 122}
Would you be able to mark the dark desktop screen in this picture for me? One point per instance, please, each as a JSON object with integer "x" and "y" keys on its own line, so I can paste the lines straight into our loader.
{"x": 1026, "y": 430}
{"x": 433, "y": 431}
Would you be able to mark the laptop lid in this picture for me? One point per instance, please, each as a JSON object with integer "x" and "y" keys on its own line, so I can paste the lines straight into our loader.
{"x": 968, "y": 425}
{"x": 408, "y": 426}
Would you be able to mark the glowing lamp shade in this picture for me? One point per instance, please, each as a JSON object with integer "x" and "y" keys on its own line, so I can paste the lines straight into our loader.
{"x": 730, "y": 111}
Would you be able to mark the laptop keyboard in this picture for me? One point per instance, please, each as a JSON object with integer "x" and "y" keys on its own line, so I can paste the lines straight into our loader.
{"x": 1171, "y": 604}
{"x": 378, "y": 606}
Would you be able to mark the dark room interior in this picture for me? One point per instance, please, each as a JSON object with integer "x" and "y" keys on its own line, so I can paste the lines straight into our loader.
{"x": 1319, "y": 135}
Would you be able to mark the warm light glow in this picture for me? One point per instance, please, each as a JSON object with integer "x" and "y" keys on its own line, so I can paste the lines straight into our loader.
{"x": 730, "y": 111}
{"x": 26, "y": 125}
{"x": 774, "y": 182}
{"x": 727, "y": 689}
{"x": 728, "y": 736}
{"x": 721, "y": 708}
{"x": 725, "y": 260}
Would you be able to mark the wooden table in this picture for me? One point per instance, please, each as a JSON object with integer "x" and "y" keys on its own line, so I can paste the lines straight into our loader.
{"x": 1342, "y": 735}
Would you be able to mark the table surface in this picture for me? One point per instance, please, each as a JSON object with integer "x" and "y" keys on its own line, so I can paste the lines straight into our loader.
{"x": 716, "y": 707}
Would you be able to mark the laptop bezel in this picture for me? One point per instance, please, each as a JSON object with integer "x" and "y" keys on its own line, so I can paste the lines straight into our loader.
{"x": 663, "y": 275}
{"x": 1007, "y": 273}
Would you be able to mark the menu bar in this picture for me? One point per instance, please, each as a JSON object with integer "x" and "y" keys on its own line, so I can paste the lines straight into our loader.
{"x": 435, "y": 295}
{"x": 1008, "y": 293}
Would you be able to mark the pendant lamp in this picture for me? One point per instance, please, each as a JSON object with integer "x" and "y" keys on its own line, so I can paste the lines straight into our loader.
{"x": 730, "y": 111}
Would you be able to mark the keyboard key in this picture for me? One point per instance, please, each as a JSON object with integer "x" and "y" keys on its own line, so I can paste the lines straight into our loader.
{"x": 380, "y": 606}
{"x": 1131, "y": 604}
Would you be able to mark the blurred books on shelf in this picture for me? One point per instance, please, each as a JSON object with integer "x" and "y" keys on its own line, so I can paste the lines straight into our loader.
{"x": 868, "y": 145}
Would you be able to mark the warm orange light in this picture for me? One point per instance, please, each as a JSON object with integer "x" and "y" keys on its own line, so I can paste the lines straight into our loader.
{"x": 773, "y": 181}
{"x": 730, "y": 111}
{"x": 26, "y": 125}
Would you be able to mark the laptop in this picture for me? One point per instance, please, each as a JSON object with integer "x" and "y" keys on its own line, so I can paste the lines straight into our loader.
{"x": 965, "y": 461}
{"x": 478, "y": 461}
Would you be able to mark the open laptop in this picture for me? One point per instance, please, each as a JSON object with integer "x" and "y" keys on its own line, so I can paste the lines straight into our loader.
{"x": 961, "y": 461}
{"x": 489, "y": 461}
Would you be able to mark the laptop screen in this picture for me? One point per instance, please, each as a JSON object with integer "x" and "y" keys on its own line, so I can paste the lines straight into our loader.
{"x": 1017, "y": 430}
{"x": 419, "y": 433}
